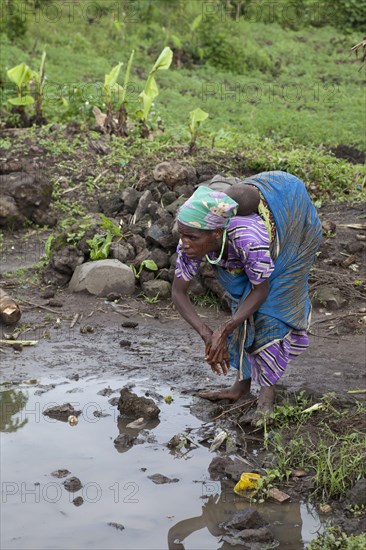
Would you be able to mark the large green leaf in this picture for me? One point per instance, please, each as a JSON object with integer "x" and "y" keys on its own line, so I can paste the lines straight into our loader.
{"x": 196, "y": 23}
{"x": 164, "y": 60}
{"x": 110, "y": 79}
{"x": 127, "y": 76}
{"x": 197, "y": 116}
{"x": 20, "y": 74}
{"x": 22, "y": 101}
{"x": 148, "y": 95}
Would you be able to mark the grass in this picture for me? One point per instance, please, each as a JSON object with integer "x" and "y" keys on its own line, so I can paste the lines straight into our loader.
{"x": 334, "y": 538}
{"x": 251, "y": 83}
{"x": 326, "y": 444}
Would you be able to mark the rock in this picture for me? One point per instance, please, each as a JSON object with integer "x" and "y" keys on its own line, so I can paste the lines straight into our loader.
{"x": 160, "y": 479}
{"x": 130, "y": 198}
{"x": 78, "y": 501}
{"x": 157, "y": 287}
{"x": 102, "y": 277}
{"x": 73, "y": 484}
{"x": 355, "y": 247}
{"x": 52, "y": 277}
{"x": 23, "y": 196}
{"x": 117, "y": 526}
{"x": 185, "y": 190}
{"x": 67, "y": 259}
{"x": 129, "y": 324}
{"x": 60, "y": 473}
{"x": 160, "y": 234}
{"x": 136, "y": 407}
{"x": 173, "y": 173}
{"x": 110, "y": 205}
{"x": 123, "y": 442}
{"x": 248, "y": 518}
{"x": 230, "y": 467}
{"x": 138, "y": 243}
{"x": 161, "y": 258}
{"x": 142, "y": 206}
{"x": 105, "y": 392}
{"x": 251, "y": 539}
{"x": 146, "y": 276}
{"x": 197, "y": 288}
{"x": 124, "y": 252}
{"x": 141, "y": 257}
{"x": 9, "y": 213}
{"x": 156, "y": 211}
{"x": 48, "y": 293}
{"x": 174, "y": 206}
{"x": 55, "y": 303}
{"x": 113, "y": 297}
{"x": 168, "y": 198}
{"x": 330, "y": 297}
{"x": 357, "y": 495}
{"x": 61, "y": 412}
{"x": 125, "y": 344}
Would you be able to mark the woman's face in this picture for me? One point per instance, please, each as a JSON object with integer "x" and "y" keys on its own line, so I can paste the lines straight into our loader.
{"x": 196, "y": 243}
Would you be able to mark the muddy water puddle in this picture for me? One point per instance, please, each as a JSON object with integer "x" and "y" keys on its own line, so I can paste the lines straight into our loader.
{"x": 121, "y": 507}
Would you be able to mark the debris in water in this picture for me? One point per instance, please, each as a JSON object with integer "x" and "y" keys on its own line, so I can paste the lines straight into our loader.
{"x": 277, "y": 495}
{"x": 136, "y": 424}
{"x": 78, "y": 501}
{"x": 218, "y": 440}
{"x": 248, "y": 482}
{"x": 133, "y": 406}
{"x": 117, "y": 526}
{"x": 72, "y": 420}
{"x": 60, "y": 473}
{"x": 73, "y": 484}
{"x": 160, "y": 479}
{"x": 62, "y": 412}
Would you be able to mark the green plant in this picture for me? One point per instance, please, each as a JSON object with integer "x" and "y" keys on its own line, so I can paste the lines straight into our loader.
{"x": 39, "y": 78}
{"x": 99, "y": 246}
{"x": 149, "y": 264}
{"x": 196, "y": 117}
{"x": 334, "y": 538}
{"x": 151, "y": 299}
{"x": 151, "y": 91}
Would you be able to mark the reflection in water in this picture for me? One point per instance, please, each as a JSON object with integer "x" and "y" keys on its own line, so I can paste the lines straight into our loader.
{"x": 284, "y": 520}
{"x": 11, "y": 403}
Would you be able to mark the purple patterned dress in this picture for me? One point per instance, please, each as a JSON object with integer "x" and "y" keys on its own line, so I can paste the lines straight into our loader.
{"x": 249, "y": 252}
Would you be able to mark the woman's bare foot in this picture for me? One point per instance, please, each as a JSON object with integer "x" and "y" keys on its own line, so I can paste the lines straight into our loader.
{"x": 265, "y": 406}
{"x": 240, "y": 389}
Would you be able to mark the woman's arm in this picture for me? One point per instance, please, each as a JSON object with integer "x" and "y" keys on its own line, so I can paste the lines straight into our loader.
{"x": 184, "y": 306}
{"x": 250, "y": 305}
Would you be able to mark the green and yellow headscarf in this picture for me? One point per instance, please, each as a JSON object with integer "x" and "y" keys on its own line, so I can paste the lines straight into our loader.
{"x": 207, "y": 209}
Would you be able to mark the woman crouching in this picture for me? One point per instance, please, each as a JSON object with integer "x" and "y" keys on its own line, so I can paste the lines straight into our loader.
{"x": 261, "y": 236}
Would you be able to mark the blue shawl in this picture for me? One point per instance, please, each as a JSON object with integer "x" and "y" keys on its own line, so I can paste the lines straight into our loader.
{"x": 298, "y": 236}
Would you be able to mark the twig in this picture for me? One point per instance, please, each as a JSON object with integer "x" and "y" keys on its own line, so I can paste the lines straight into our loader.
{"x": 248, "y": 403}
{"x": 19, "y": 342}
{"x": 356, "y": 391}
{"x": 38, "y": 305}
{"x": 74, "y": 320}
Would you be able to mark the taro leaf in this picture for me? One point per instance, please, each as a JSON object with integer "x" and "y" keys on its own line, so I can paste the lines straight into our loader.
{"x": 164, "y": 60}
{"x": 24, "y": 100}
{"x": 197, "y": 116}
{"x": 110, "y": 226}
{"x": 150, "y": 264}
{"x": 20, "y": 74}
{"x": 150, "y": 91}
{"x": 110, "y": 79}
{"x": 127, "y": 76}
{"x": 196, "y": 23}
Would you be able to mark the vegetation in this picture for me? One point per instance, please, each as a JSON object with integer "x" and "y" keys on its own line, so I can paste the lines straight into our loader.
{"x": 333, "y": 538}
{"x": 318, "y": 440}
{"x": 246, "y": 74}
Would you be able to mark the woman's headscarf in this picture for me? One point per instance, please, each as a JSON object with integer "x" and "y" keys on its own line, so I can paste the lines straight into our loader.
{"x": 207, "y": 209}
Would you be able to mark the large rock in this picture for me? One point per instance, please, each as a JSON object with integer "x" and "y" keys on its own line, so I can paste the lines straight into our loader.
{"x": 102, "y": 277}
{"x": 23, "y": 196}
{"x": 173, "y": 173}
{"x": 137, "y": 407}
{"x": 130, "y": 198}
{"x": 67, "y": 259}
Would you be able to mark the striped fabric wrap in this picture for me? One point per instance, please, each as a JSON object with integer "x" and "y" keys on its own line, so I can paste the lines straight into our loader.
{"x": 287, "y": 308}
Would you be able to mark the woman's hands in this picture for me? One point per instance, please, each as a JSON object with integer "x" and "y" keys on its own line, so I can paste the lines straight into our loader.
{"x": 216, "y": 352}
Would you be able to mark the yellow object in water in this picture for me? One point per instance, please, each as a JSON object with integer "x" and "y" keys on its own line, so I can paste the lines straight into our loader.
{"x": 247, "y": 482}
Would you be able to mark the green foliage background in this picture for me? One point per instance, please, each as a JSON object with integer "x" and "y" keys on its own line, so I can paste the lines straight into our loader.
{"x": 268, "y": 69}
